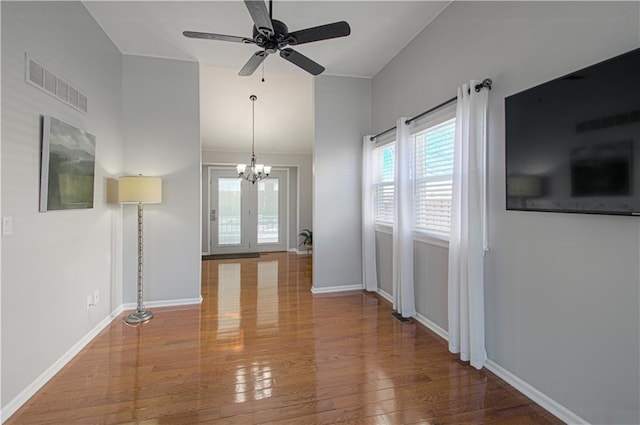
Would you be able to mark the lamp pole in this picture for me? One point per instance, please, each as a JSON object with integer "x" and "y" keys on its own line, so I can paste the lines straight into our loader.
{"x": 141, "y": 314}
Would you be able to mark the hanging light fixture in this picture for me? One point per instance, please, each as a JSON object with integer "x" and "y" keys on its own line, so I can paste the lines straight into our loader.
{"x": 254, "y": 172}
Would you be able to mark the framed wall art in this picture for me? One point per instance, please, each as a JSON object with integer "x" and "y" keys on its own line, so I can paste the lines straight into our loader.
{"x": 67, "y": 166}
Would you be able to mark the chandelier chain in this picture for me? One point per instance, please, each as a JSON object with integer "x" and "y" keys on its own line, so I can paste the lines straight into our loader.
{"x": 253, "y": 126}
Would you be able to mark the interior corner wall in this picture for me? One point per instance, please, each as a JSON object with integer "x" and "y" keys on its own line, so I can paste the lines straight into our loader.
{"x": 342, "y": 119}
{"x": 54, "y": 260}
{"x": 160, "y": 110}
{"x": 561, "y": 290}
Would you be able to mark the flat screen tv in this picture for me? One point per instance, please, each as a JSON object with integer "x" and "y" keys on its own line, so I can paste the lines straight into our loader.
{"x": 573, "y": 144}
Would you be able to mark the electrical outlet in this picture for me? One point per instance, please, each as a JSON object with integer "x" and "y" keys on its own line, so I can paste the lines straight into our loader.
{"x": 7, "y": 226}
{"x": 89, "y": 302}
{"x": 96, "y": 297}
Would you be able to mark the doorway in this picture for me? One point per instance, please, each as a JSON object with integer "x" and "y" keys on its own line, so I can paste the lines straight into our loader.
{"x": 245, "y": 216}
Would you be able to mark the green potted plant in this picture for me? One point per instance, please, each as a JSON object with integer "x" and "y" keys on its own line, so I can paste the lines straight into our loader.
{"x": 307, "y": 239}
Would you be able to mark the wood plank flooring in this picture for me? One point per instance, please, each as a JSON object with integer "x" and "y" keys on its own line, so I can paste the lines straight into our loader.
{"x": 261, "y": 349}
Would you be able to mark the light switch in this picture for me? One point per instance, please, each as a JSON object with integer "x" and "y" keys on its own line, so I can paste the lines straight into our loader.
{"x": 7, "y": 226}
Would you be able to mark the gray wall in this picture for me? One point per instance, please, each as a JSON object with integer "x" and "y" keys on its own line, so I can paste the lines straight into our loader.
{"x": 300, "y": 209}
{"x": 162, "y": 138}
{"x": 561, "y": 290}
{"x": 342, "y": 118}
{"x": 54, "y": 260}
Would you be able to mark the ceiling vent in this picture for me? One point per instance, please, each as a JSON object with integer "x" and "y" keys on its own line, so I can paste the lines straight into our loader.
{"x": 38, "y": 76}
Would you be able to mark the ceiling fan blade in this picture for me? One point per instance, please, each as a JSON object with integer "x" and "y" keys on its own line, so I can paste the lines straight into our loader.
{"x": 220, "y": 37}
{"x": 253, "y": 63}
{"x": 260, "y": 15}
{"x": 323, "y": 32}
{"x": 302, "y": 61}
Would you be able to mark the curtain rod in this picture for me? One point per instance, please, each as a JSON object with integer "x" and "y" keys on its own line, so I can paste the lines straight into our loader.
{"x": 485, "y": 83}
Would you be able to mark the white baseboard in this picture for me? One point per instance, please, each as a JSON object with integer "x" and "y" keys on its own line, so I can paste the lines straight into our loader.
{"x": 297, "y": 251}
{"x": 384, "y": 294}
{"x": 330, "y": 289}
{"x": 41, "y": 380}
{"x": 534, "y": 394}
{"x": 165, "y": 303}
{"x": 432, "y": 326}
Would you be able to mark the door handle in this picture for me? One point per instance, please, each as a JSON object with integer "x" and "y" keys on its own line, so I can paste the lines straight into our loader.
{"x": 213, "y": 215}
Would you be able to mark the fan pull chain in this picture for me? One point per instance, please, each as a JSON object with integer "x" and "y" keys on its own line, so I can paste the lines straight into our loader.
{"x": 263, "y": 72}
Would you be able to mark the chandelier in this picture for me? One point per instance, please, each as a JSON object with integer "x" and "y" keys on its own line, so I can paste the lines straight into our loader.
{"x": 253, "y": 172}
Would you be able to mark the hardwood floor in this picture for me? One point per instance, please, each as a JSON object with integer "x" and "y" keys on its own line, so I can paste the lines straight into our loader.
{"x": 261, "y": 349}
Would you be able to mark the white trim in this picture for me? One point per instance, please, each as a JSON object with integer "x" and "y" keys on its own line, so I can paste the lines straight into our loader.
{"x": 298, "y": 251}
{"x": 384, "y": 228}
{"x": 430, "y": 239}
{"x": 432, "y": 326}
{"x": 384, "y": 294}
{"x": 330, "y": 289}
{"x": 41, "y": 380}
{"x": 418, "y": 236}
{"x": 536, "y": 395}
{"x": 165, "y": 303}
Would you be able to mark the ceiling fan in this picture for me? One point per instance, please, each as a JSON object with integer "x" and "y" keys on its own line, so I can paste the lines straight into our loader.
{"x": 272, "y": 35}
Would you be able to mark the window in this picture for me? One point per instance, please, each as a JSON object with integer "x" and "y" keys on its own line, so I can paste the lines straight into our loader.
{"x": 384, "y": 169}
{"x": 431, "y": 167}
{"x": 433, "y": 154}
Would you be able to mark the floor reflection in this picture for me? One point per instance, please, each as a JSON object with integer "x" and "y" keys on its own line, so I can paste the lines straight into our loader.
{"x": 263, "y": 349}
{"x": 267, "y": 293}
{"x": 253, "y": 382}
{"x": 229, "y": 313}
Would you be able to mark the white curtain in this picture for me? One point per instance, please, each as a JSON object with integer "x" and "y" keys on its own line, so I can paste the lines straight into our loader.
{"x": 369, "y": 274}
{"x": 403, "y": 292}
{"x": 467, "y": 243}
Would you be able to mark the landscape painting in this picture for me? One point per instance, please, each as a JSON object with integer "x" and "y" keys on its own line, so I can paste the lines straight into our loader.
{"x": 67, "y": 166}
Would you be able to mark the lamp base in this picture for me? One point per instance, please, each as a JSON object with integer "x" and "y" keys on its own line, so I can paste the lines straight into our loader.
{"x": 139, "y": 317}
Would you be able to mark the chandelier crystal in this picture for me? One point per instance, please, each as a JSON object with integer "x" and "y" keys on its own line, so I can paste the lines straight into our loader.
{"x": 253, "y": 172}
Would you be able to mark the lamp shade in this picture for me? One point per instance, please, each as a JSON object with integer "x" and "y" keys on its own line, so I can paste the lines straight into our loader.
{"x": 140, "y": 189}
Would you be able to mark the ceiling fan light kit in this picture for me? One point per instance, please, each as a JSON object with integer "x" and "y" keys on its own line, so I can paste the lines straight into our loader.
{"x": 272, "y": 36}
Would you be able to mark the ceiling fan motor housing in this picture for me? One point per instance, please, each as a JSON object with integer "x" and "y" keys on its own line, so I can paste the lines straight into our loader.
{"x": 276, "y": 41}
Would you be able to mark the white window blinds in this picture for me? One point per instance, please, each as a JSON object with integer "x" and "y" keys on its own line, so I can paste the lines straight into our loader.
{"x": 433, "y": 154}
{"x": 384, "y": 159}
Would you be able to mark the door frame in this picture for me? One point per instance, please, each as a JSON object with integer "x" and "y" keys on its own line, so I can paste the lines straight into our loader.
{"x": 285, "y": 169}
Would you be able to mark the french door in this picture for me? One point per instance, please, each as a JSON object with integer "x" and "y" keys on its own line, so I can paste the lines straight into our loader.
{"x": 246, "y": 217}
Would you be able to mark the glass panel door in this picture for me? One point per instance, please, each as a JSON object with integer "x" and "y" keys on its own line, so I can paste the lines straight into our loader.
{"x": 246, "y": 217}
{"x": 272, "y": 209}
{"x": 228, "y": 215}
{"x": 230, "y": 211}
{"x": 268, "y": 204}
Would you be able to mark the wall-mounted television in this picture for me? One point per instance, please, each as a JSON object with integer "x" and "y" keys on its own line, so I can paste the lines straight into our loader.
{"x": 573, "y": 144}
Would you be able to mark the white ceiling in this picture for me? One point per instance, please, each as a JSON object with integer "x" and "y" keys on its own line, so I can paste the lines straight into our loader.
{"x": 379, "y": 30}
{"x": 284, "y": 111}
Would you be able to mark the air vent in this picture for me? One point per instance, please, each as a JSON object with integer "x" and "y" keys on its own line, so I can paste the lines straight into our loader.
{"x": 45, "y": 79}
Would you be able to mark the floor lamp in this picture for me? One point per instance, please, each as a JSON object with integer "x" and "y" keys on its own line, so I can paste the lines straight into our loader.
{"x": 140, "y": 190}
